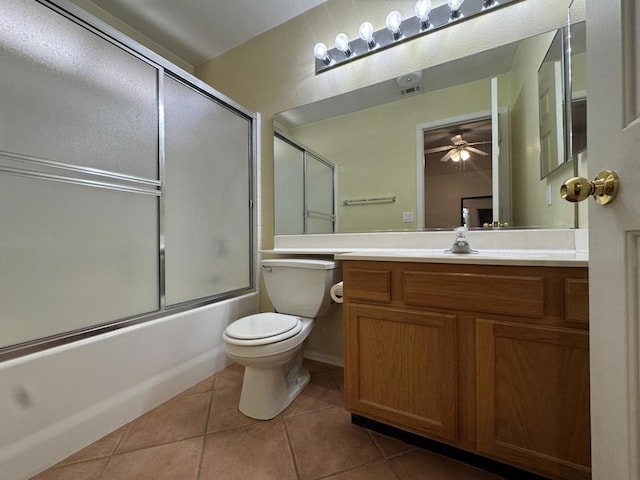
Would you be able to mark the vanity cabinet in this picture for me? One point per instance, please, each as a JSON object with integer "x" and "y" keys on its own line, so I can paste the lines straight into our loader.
{"x": 491, "y": 359}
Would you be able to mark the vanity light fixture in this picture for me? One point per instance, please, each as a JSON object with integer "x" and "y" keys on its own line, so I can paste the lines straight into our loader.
{"x": 342, "y": 44}
{"x": 454, "y": 6}
{"x": 365, "y": 32}
{"x": 394, "y": 20}
{"x": 397, "y": 30}
{"x": 321, "y": 53}
{"x": 422, "y": 11}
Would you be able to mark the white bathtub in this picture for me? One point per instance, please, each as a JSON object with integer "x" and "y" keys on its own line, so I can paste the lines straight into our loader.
{"x": 56, "y": 402}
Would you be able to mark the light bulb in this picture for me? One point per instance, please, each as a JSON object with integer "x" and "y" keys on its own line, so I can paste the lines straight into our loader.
{"x": 422, "y": 11}
{"x": 321, "y": 53}
{"x": 394, "y": 19}
{"x": 342, "y": 44}
{"x": 454, "y": 6}
{"x": 366, "y": 33}
{"x": 464, "y": 155}
{"x": 455, "y": 157}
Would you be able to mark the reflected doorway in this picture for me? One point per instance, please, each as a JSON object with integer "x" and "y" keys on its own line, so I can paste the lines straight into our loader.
{"x": 458, "y": 169}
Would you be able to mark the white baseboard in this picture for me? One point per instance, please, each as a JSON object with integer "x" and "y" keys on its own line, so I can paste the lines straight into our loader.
{"x": 321, "y": 357}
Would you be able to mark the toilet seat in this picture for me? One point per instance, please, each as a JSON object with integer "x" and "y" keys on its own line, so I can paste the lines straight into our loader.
{"x": 262, "y": 329}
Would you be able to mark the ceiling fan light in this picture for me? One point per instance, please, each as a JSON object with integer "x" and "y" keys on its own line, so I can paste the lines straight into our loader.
{"x": 455, "y": 157}
{"x": 464, "y": 155}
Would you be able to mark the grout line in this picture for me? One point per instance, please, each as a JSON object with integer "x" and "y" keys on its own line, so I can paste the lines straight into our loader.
{"x": 124, "y": 434}
{"x": 206, "y": 428}
{"x": 293, "y": 457}
{"x": 115, "y": 448}
{"x": 390, "y": 467}
{"x": 199, "y": 470}
{"x": 106, "y": 465}
{"x": 161, "y": 444}
{"x": 376, "y": 443}
{"x": 316, "y": 410}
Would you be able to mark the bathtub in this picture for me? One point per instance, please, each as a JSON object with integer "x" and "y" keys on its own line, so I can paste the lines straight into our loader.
{"x": 55, "y": 402}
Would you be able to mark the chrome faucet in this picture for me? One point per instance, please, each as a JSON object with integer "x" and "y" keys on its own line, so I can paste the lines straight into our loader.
{"x": 461, "y": 244}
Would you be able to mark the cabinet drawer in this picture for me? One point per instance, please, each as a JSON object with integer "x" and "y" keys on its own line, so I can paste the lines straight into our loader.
{"x": 501, "y": 294}
{"x": 373, "y": 285}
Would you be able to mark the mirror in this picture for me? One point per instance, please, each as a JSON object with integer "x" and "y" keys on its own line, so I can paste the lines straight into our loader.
{"x": 551, "y": 104}
{"x": 305, "y": 185}
{"x": 577, "y": 118}
{"x": 376, "y": 138}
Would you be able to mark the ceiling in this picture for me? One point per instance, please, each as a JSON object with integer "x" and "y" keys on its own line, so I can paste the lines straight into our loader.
{"x": 197, "y": 30}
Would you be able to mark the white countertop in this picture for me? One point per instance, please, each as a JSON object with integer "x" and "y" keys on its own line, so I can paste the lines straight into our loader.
{"x": 552, "y": 247}
{"x": 555, "y": 258}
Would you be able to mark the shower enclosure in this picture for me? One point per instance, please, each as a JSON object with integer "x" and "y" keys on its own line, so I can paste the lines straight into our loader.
{"x": 125, "y": 183}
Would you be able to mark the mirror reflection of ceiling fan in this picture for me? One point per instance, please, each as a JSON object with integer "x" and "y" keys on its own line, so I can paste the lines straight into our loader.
{"x": 458, "y": 150}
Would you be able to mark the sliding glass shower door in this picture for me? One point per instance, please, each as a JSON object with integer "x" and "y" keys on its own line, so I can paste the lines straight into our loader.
{"x": 125, "y": 184}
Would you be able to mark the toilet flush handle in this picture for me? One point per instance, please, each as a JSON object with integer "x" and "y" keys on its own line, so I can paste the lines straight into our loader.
{"x": 265, "y": 268}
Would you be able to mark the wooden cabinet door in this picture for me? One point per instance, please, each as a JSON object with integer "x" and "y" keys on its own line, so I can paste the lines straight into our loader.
{"x": 532, "y": 387}
{"x": 400, "y": 368}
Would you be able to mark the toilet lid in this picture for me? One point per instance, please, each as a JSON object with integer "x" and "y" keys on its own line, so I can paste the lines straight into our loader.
{"x": 272, "y": 326}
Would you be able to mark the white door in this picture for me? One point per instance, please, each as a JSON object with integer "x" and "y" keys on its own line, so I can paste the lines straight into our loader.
{"x": 613, "y": 79}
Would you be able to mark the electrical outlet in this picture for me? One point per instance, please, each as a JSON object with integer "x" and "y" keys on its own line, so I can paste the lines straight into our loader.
{"x": 549, "y": 195}
{"x": 407, "y": 217}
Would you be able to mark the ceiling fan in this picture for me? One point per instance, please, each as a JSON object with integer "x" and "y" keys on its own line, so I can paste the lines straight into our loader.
{"x": 458, "y": 150}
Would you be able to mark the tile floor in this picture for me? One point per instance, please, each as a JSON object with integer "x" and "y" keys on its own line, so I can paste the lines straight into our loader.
{"x": 200, "y": 435}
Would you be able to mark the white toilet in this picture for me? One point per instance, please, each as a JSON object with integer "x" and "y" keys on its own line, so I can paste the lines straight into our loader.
{"x": 269, "y": 345}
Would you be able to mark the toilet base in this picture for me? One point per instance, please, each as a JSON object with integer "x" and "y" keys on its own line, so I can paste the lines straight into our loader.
{"x": 266, "y": 392}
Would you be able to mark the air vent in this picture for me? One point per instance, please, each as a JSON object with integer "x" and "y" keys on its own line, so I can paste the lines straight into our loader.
{"x": 411, "y": 90}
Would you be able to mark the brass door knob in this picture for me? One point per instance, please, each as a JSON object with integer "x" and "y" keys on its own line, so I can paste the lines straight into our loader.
{"x": 604, "y": 188}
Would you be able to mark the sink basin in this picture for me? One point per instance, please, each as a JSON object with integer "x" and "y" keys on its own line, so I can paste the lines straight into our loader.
{"x": 505, "y": 254}
{"x": 417, "y": 252}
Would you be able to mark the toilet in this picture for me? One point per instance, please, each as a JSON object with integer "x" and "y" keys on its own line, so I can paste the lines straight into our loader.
{"x": 269, "y": 345}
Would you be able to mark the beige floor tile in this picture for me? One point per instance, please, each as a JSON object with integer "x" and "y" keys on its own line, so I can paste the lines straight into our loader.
{"x": 182, "y": 417}
{"x": 255, "y": 452}
{"x": 372, "y": 471}
{"x": 338, "y": 376}
{"x": 390, "y": 446}
{"x": 229, "y": 377}
{"x": 325, "y": 442}
{"x": 172, "y": 461}
{"x": 312, "y": 439}
{"x": 89, "y": 470}
{"x": 224, "y": 412}
{"x": 205, "y": 385}
{"x": 322, "y": 392}
{"x": 102, "y": 448}
{"x": 414, "y": 466}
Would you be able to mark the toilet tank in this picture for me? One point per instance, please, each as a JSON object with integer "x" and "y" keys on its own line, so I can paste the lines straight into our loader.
{"x": 298, "y": 286}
